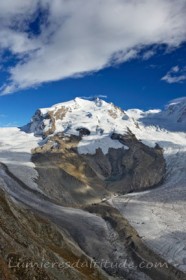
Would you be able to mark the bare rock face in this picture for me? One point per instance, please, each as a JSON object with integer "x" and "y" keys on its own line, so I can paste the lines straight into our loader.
{"x": 142, "y": 166}
{"x": 126, "y": 170}
{"x": 65, "y": 175}
{"x": 83, "y": 131}
{"x": 76, "y": 179}
{"x": 44, "y": 123}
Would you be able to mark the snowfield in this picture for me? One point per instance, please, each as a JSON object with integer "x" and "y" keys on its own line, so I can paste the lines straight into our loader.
{"x": 15, "y": 152}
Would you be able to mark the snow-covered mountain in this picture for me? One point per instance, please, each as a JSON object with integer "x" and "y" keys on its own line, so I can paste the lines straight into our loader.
{"x": 81, "y": 153}
{"x": 96, "y": 120}
{"x": 172, "y": 118}
{"x": 97, "y": 116}
{"x": 176, "y": 110}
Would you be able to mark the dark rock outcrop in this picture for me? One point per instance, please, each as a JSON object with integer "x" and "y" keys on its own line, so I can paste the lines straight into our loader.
{"x": 83, "y": 131}
{"x": 83, "y": 179}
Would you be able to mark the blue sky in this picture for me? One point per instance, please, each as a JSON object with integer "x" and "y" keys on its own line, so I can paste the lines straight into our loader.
{"x": 53, "y": 53}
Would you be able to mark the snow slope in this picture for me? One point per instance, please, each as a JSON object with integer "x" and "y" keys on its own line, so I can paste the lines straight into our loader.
{"x": 172, "y": 118}
{"x": 15, "y": 152}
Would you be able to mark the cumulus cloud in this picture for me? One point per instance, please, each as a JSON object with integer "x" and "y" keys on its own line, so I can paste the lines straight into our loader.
{"x": 175, "y": 75}
{"x": 78, "y": 37}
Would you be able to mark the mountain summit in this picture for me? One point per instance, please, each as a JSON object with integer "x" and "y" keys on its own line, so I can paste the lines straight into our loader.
{"x": 68, "y": 117}
{"x": 93, "y": 121}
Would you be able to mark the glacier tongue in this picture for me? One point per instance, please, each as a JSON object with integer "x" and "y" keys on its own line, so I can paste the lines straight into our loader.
{"x": 159, "y": 215}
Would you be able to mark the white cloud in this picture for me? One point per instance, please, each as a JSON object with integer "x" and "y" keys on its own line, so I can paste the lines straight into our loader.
{"x": 175, "y": 75}
{"x": 83, "y": 36}
{"x": 148, "y": 54}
